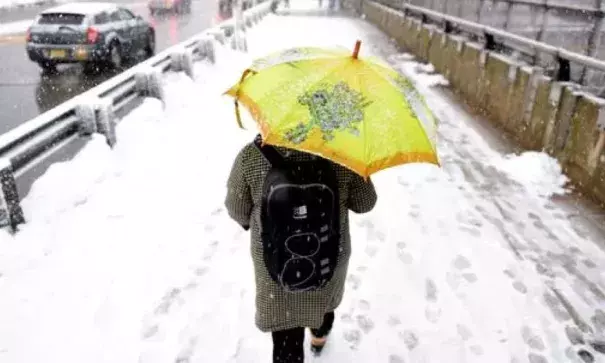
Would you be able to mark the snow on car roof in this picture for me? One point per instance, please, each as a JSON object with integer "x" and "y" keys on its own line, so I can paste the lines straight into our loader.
{"x": 80, "y": 8}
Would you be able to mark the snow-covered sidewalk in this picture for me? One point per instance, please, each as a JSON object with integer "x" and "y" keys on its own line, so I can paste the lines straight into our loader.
{"x": 129, "y": 255}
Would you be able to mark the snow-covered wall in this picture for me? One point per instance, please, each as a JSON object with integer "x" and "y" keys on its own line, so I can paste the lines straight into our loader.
{"x": 540, "y": 113}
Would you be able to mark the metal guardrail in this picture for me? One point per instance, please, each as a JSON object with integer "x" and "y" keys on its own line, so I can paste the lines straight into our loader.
{"x": 495, "y": 38}
{"x": 589, "y": 13}
{"x": 577, "y": 25}
{"x": 25, "y": 146}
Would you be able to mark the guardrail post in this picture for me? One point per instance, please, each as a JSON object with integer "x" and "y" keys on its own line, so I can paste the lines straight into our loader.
{"x": 508, "y": 11}
{"x": 219, "y": 35}
{"x": 595, "y": 154}
{"x": 149, "y": 84}
{"x": 594, "y": 39}
{"x": 88, "y": 118}
{"x": 563, "y": 71}
{"x": 205, "y": 47}
{"x": 447, "y": 27}
{"x": 544, "y": 25}
{"x": 106, "y": 121}
{"x": 11, "y": 214}
{"x": 490, "y": 42}
{"x": 182, "y": 61}
{"x": 479, "y": 9}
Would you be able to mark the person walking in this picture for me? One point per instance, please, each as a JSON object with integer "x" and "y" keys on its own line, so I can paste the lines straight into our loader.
{"x": 296, "y": 206}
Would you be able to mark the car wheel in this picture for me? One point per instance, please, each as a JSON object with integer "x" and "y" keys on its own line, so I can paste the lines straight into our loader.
{"x": 150, "y": 44}
{"x": 114, "y": 58}
{"x": 91, "y": 68}
{"x": 48, "y": 67}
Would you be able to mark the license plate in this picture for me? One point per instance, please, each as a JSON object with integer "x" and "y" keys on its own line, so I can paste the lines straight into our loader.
{"x": 57, "y": 53}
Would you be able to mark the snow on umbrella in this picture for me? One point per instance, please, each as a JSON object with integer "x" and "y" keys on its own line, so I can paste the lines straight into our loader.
{"x": 355, "y": 111}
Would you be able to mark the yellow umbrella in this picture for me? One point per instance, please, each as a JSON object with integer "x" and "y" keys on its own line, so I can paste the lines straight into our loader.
{"x": 355, "y": 111}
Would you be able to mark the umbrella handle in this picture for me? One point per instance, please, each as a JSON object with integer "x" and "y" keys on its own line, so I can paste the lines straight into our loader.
{"x": 236, "y": 103}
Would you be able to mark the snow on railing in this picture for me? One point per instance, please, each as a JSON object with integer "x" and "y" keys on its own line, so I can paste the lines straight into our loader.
{"x": 95, "y": 110}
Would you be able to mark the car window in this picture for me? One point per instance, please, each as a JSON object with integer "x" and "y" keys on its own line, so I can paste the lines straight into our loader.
{"x": 61, "y": 19}
{"x": 101, "y": 18}
{"x": 125, "y": 14}
{"x": 115, "y": 16}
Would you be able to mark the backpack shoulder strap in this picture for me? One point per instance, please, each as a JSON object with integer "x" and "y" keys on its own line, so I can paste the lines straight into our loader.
{"x": 269, "y": 152}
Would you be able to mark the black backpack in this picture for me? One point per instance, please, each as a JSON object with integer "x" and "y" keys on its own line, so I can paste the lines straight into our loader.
{"x": 300, "y": 221}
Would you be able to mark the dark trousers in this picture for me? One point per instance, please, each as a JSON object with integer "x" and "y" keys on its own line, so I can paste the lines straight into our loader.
{"x": 288, "y": 344}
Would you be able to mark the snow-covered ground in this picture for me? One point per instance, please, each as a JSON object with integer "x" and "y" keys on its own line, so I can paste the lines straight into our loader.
{"x": 129, "y": 255}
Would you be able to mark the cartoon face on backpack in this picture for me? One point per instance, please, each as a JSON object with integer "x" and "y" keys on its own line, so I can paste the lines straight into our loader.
{"x": 300, "y": 221}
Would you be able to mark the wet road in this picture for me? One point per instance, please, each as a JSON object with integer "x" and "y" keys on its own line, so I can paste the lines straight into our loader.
{"x": 25, "y": 92}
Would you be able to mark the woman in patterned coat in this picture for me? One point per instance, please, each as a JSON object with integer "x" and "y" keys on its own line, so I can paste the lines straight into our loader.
{"x": 285, "y": 314}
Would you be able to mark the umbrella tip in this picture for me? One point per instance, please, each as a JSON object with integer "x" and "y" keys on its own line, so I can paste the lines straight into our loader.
{"x": 356, "y": 50}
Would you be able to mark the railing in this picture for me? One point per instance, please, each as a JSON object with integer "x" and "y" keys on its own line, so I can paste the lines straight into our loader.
{"x": 576, "y": 25}
{"x": 95, "y": 110}
{"x": 560, "y": 62}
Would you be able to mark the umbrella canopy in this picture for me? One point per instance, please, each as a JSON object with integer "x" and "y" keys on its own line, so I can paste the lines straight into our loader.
{"x": 355, "y": 111}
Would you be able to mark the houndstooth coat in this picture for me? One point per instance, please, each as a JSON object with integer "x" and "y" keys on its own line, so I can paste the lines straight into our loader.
{"x": 276, "y": 309}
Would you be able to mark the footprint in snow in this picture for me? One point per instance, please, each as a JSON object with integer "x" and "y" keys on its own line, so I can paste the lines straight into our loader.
{"x": 364, "y": 305}
{"x": 410, "y": 339}
{"x": 361, "y": 269}
{"x": 588, "y": 263}
{"x": 533, "y": 340}
{"x": 210, "y": 251}
{"x": 371, "y": 250}
{"x": 150, "y": 331}
{"x": 432, "y": 314}
{"x": 476, "y": 349}
{"x": 353, "y": 337}
{"x": 461, "y": 262}
{"x": 404, "y": 256}
{"x": 394, "y": 321}
{"x": 168, "y": 300}
{"x": 217, "y": 212}
{"x": 431, "y": 290}
{"x": 354, "y": 281}
{"x": 536, "y": 358}
{"x": 365, "y": 323}
{"x": 464, "y": 332}
{"x": 185, "y": 354}
{"x": 470, "y": 277}
{"x": 520, "y": 287}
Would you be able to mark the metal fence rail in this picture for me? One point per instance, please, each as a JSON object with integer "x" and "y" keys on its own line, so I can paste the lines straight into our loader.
{"x": 95, "y": 110}
{"x": 557, "y": 61}
{"x": 576, "y": 25}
